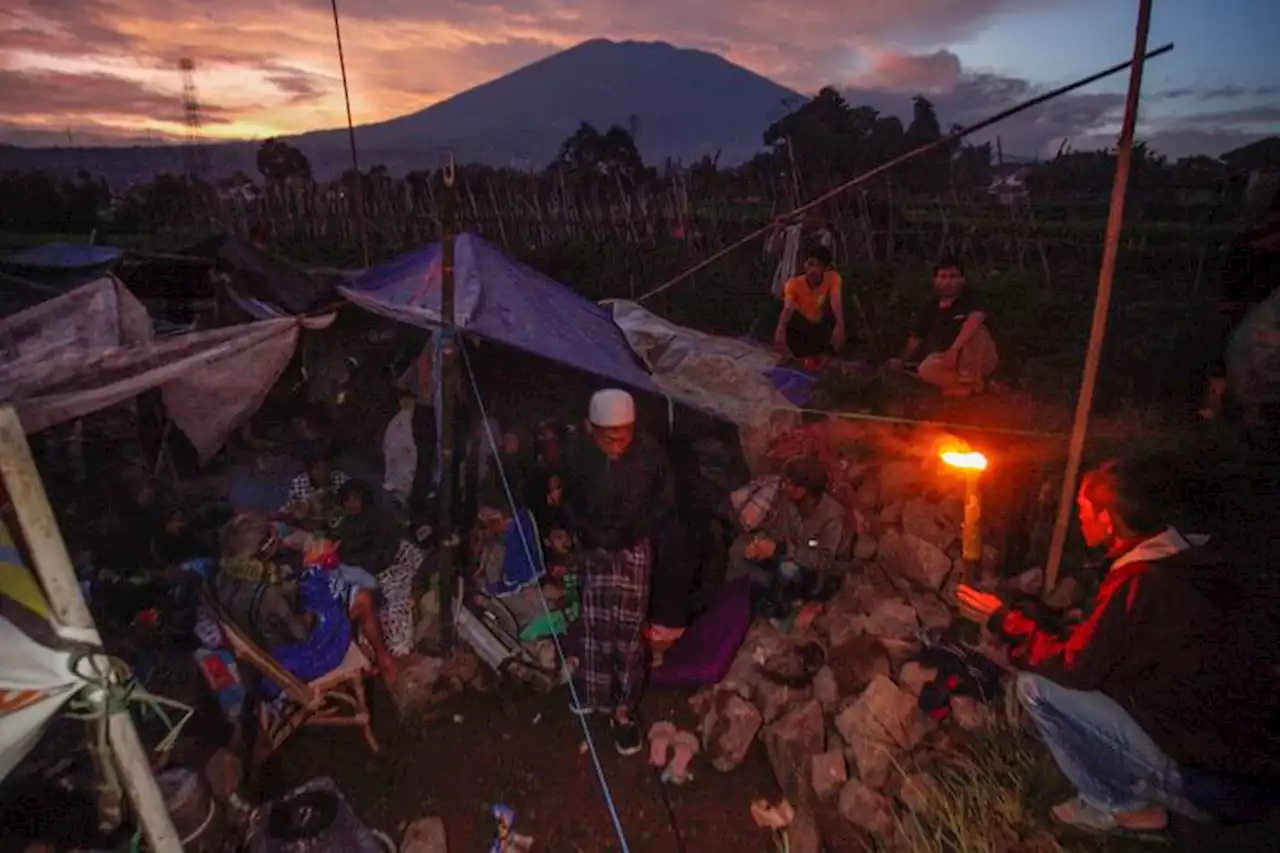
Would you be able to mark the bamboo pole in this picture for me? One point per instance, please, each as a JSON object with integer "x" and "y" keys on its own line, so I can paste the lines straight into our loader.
{"x": 942, "y": 142}
{"x": 52, "y": 566}
{"x": 1106, "y": 278}
{"x": 351, "y": 137}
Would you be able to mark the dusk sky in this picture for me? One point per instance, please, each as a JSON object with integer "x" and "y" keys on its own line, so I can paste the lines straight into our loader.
{"x": 106, "y": 70}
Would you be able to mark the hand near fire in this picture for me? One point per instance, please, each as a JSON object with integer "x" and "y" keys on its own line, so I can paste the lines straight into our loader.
{"x": 977, "y": 606}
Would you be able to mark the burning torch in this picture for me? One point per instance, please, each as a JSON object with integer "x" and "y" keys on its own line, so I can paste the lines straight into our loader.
{"x": 972, "y": 464}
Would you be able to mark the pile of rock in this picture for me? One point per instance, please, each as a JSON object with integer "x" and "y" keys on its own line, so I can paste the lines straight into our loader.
{"x": 851, "y": 739}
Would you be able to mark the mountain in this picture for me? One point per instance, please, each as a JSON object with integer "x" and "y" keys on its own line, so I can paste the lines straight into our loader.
{"x": 680, "y": 103}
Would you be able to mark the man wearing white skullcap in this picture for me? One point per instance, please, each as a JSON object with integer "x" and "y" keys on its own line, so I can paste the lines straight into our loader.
{"x": 617, "y": 487}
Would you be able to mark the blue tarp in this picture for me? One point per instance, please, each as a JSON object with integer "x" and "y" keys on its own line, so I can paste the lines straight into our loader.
{"x": 503, "y": 300}
{"x": 66, "y": 256}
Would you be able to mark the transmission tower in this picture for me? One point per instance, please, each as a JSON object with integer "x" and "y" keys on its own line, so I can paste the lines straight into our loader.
{"x": 195, "y": 155}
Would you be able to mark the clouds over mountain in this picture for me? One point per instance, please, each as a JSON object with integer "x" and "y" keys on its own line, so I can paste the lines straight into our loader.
{"x": 107, "y": 69}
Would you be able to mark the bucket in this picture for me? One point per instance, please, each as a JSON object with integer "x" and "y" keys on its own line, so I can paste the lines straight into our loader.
{"x": 194, "y": 812}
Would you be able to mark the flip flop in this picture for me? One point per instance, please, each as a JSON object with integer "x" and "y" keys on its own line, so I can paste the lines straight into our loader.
{"x": 661, "y": 735}
{"x": 685, "y": 746}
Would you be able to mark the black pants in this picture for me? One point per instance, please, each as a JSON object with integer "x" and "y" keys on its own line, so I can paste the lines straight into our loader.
{"x": 806, "y": 339}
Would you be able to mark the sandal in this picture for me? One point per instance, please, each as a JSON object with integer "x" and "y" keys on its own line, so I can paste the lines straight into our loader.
{"x": 1140, "y": 824}
{"x": 677, "y": 772}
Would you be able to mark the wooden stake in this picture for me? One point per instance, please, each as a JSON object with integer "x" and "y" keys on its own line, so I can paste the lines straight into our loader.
{"x": 52, "y": 566}
{"x": 1115, "y": 222}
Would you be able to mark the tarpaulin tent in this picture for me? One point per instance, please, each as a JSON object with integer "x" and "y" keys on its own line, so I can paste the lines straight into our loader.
{"x": 93, "y": 348}
{"x": 505, "y": 301}
{"x": 62, "y": 264}
{"x": 17, "y": 293}
{"x": 263, "y": 285}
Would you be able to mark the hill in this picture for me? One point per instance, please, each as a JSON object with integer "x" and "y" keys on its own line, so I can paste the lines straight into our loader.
{"x": 680, "y": 103}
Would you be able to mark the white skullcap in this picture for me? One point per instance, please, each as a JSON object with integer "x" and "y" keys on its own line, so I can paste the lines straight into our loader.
{"x": 612, "y": 408}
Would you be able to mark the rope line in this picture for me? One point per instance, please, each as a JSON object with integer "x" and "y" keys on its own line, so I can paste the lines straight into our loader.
{"x": 538, "y": 562}
{"x": 861, "y": 416}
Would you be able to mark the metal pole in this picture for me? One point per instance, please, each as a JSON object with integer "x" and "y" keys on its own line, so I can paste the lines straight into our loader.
{"x": 1106, "y": 277}
{"x": 947, "y": 140}
{"x": 448, "y": 538}
{"x": 351, "y": 136}
{"x": 52, "y": 566}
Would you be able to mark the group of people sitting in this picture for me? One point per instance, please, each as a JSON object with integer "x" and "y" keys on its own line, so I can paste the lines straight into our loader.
{"x": 950, "y": 345}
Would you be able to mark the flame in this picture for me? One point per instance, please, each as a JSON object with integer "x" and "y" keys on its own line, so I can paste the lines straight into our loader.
{"x": 970, "y": 461}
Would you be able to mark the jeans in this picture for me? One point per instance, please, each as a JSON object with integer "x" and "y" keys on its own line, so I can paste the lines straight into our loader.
{"x": 1113, "y": 763}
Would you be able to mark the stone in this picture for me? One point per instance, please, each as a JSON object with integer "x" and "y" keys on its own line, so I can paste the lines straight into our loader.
{"x": 972, "y": 715}
{"x": 880, "y": 726}
{"x": 919, "y": 792}
{"x": 867, "y": 497}
{"x": 865, "y": 548}
{"x": 908, "y": 556}
{"x": 728, "y": 730}
{"x": 924, "y": 520}
{"x": 223, "y": 771}
{"x": 855, "y": 663}
{"x": 774, "y": 700}
{"x": 763, "y": 642}
{"x": 934, "y": 614}
{"x": 901, "y": 650}
{"x": 893, "y": 617}
{"x": 415, "y": 689}
{"x": 914, "y": 676}
{"x": 1030, "y": 582}
{"x": 992, "y": 561}
{"x": 425, "y": 835}
{"x": 804, "y": 836}
{"x": 899, "y": 480}
{"x": 867, "y": 808}
{"x": 826, "y": 690}
{"x": 890, "y": 514}
{"x": 790, "y": 744}
{"x": 829, "y": 773}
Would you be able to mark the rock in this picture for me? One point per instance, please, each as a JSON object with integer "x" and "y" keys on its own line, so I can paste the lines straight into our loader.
{"x": 854, "y": 664}
{"x": 774, "y": 700}
{"x": 867, "y": 497}
{"x": 883, "y": 723}
{"x": 865, "y": 548}
{"x": 803, "y": 836}
{"x": 790, "y": 744}
{"x": 763, "y": 641}
{"x": 914, "y": 676}
{"x": 900, "y": 651}
{"x": 924, "y": 520}
{"x": 1066, "y": 595}
{"x": 867, "y": 808}
{"x": 913, "y": 558}
{"x": 972, "y": 715}
{"x": 992, "y": 561}
{"x": 919, "y": 792}
{"x": 223, "y": 771}
{"x": 1030, "y": 582}
{"x": 463, "y": 665}
{"x": 826, "y": 690}
{"x": 899, "y": 480}
{"x": 893, "y": 618}
{"x": 425, "y": 835}
{"x": 829, "y": 773}
{"x": 728, "y": 730}
{"x": 415, "y": 689}
{"x": 934, "y": 614}
{"x": 891, "y": 514}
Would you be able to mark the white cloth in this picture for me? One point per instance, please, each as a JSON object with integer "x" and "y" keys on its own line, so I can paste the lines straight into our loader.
{"x": 400, "y": 454}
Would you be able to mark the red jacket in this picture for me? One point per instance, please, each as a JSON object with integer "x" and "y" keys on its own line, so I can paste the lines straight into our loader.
{"x": 1168, "y": 639}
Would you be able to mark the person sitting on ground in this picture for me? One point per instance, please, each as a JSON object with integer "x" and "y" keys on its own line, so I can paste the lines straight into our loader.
{"x": 952, "y": 335}
{"x": 794, "y": 553}
{"x": 1162, "y": 698}
{"x": 617, "y": 486}
{"x": 304, "y": 623}
{"x": 315, "y": 490}
{"x": 812, "y": 318}
{"x": 367, "y": 535}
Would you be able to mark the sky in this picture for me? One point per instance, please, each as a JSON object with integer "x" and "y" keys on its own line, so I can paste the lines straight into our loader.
{"x": 88, "y": 72}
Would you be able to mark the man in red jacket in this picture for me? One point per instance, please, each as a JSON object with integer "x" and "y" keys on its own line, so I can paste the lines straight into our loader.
{"x": 1164, "y": 697}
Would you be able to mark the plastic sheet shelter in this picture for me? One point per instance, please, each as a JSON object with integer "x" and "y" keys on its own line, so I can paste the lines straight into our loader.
{"x": 502, "y": 300}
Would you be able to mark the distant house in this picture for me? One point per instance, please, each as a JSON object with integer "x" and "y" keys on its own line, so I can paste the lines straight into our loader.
{"x": 1259, "y": 165}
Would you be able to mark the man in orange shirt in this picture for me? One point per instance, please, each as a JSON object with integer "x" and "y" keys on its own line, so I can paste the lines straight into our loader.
{"x": 812, "y": 319}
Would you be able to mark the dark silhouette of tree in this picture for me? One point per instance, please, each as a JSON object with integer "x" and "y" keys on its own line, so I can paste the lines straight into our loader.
{"x": 589, "y": 152}
{"x": 279, "y": 161}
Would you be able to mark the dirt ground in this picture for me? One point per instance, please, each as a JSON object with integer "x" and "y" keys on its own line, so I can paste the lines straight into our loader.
{"x": 526, "y": 751}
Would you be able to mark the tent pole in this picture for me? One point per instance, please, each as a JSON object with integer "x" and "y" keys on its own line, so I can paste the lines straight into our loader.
{"x": 351, "y": 136}
{"x": 447, "y": 536}
{"x": 52, "y": 566}
{"x": 1106, "y": 277}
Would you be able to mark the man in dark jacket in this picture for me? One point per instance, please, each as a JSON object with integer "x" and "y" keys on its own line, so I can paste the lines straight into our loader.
{"x": 617, "y": 487}
{"x": 1163, "y": 693}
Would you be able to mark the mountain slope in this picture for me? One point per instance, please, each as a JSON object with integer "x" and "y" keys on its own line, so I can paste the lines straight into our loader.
{"x": 681, "y": 103}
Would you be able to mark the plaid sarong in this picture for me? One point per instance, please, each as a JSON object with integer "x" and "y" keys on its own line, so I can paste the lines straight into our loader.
{"x": 615, "y": 600}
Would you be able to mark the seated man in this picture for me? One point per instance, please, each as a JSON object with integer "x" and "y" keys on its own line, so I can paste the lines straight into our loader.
{"x": 794, "y": 552}
{"x": 952, "y": 336}
{"x": 305, "y": 624}
{"x": 1160, "y": 699}
{"x": 812, "y": 318}
{"x": 315, "y": 490}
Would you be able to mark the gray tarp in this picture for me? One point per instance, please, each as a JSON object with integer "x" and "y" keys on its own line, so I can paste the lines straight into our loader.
{"x": 93, "y": 348}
